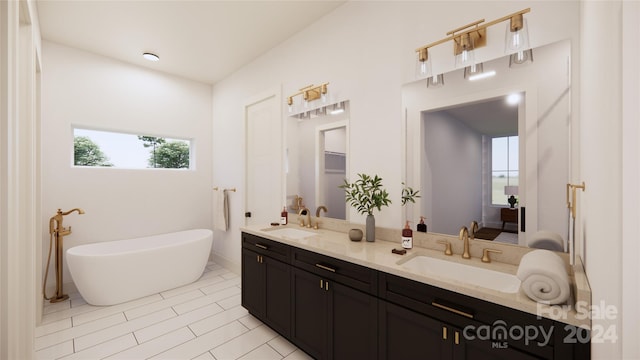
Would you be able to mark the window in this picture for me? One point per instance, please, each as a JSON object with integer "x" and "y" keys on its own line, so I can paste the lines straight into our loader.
{"x": 120, "y": 150}
{"x": 504, "y": 167}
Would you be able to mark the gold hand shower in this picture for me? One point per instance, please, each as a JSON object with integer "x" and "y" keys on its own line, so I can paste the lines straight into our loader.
{"x": 57, "y": 231}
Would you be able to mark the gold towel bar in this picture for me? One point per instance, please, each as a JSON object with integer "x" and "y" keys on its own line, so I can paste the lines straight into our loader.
{"x": 231, "y": 189}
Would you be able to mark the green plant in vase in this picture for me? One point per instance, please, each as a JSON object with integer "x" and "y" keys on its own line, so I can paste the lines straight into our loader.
{"x": 366, "y": 195}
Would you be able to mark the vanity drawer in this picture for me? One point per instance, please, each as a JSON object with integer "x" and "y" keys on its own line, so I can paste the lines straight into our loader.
{"x": 355, "y": 276}
{"x": 462, "y": 311}
{"x": 260, "y": 245}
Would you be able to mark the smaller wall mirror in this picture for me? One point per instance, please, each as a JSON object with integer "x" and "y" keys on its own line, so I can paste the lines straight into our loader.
{"x": 317, "y": 159}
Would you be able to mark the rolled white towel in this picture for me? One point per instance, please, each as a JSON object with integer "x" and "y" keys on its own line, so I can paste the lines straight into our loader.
{"x": 546, "y": 240}
{"x": 544, "y": 277}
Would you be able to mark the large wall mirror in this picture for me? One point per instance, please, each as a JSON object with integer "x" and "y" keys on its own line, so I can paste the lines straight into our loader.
{"x": 317, "y": 159}
{"x": 472, "y": 145}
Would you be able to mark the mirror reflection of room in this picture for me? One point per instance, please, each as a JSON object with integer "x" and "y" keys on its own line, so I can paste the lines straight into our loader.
{"x": 481, "y": 166}
{"x": 317, "y": 160}
{"x": 463, "y": 180}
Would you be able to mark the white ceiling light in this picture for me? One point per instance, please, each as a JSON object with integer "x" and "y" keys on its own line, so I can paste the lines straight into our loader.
{"x": 514, "y": 99}
{"x": 151, "y": 56}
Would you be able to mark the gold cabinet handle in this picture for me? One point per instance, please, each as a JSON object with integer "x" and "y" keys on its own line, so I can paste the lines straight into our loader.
{"x": 456, "y": 338}
{"x": 264, "y": 247}
{"x": 444, "y": 333}
{"x": 321, "y": 284}
{"x": 455, "y": 311}
{"x": 324, "y": 267}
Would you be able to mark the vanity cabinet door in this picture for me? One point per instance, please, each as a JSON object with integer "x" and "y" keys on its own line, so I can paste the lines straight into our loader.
{"x": 406, "y": 334}
{"x": 353, "y": 323}
{"x": 309, "y": 313}
{"x": 266, "y": 290}
{"x": 331, "y": 320}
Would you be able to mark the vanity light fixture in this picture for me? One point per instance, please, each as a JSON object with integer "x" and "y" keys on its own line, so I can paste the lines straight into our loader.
{"x": 435, "y": 81}
{"x": 469, "y": 37}
{"x": 151, "y": 56}
{"x": 309, "y": 94}
{"x": 473, "y": 71}
{"x": 337, "y": 109}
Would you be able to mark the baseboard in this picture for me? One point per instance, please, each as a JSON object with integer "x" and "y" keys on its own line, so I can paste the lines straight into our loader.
{"x": 226, "y": 263}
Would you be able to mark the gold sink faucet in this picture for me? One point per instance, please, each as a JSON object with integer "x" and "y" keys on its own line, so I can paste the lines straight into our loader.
{"x": 321, "y": 207}
{"x": 464, "y": 236}
{"x": 308, "y": 214}
{"x": 473, "y": 229}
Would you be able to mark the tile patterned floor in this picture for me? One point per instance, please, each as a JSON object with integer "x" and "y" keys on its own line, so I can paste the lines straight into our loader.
{"x": 202, "y": 320}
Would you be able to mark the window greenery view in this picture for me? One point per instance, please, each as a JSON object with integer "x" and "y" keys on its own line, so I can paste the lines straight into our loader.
{"x": 113, "y": 149}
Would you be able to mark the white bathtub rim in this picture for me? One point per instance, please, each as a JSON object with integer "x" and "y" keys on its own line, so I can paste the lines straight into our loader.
{"x": 124, "y": 246}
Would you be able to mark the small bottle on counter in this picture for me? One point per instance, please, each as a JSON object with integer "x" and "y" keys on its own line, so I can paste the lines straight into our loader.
{"x": 422, "y": 227}
{"x": 407, "y": 237}
{"x": 284, "y": 216}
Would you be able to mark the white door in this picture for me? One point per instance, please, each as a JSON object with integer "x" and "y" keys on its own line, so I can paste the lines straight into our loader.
{"x": 264, "y": 183}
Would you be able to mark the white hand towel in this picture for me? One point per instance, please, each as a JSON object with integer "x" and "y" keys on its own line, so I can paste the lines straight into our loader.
{"x": 544, "y": 277}
{"x": 220, "y": 211}
{"x": 546, "y": 240}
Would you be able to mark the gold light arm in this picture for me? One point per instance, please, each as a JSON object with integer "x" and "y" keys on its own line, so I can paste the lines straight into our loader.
{"x": 309, "y": 92}
{"x": 479, "y": 28}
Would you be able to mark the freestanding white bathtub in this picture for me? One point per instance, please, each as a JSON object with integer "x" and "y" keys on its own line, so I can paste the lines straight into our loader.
{"x": 113, "y": 272}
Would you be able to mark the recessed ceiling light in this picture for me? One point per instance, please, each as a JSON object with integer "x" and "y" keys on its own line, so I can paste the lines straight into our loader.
{"x": 151, "y": 56}
{"x": 514, "y": 99}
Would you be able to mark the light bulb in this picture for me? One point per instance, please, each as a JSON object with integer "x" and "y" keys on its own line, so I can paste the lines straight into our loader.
{"x": 517, "y": 35}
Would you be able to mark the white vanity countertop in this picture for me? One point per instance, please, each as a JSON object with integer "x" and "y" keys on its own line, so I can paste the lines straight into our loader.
{"x": 377, "y": 255}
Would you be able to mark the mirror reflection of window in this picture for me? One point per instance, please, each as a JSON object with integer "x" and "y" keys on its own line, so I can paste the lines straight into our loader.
{"x": 504, "y": 167}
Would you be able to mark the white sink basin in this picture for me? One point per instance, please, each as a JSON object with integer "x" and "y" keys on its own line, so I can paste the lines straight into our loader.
{"x": 472, "y": 275}
{"x": 290, "y": 233}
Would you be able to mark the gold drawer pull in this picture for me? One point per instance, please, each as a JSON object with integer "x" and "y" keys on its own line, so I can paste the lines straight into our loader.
{"x": 324, "y": 267}
{"x": 262, "y": 246}
{"x": 444, "y": 333}
{"x": 457, "y": 338}
{"x": 455, "y": 311}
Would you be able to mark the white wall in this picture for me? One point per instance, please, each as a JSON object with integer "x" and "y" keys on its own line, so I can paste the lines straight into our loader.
{"x": 366, "y": 51}
{"x": 601, "y": 153}
{"x": 452, "y": 195}
{"x": 91, "y": 91}
{"x": 19, "y": 177}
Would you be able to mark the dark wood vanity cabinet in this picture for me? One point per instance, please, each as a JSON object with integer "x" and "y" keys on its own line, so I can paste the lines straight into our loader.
{"x": 334, "y": 309}
{"x": 456, "y": 326}
{"x": 330, "y": 319}
{"x": 266, "y": 282}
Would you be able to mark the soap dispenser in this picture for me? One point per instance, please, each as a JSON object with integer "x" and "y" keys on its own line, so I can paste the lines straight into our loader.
{"x": 407, "y": 237}
{"x": 284, "y": 216}
{"x": 422, "y": 227}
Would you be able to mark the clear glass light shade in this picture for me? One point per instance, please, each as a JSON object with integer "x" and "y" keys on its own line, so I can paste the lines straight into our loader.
{"x": 423, "y": 68}
{"x": 435, "y": 81}
{"x": 471, "y": 70}
{"x": 465, "y": 58}
{"x": 517, "y": 36}
{"x": 521, "y": 57}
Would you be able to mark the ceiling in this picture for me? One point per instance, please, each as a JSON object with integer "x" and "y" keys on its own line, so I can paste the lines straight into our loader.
{"x": 202, "y": 40}
{"x": 490, "y": 117}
